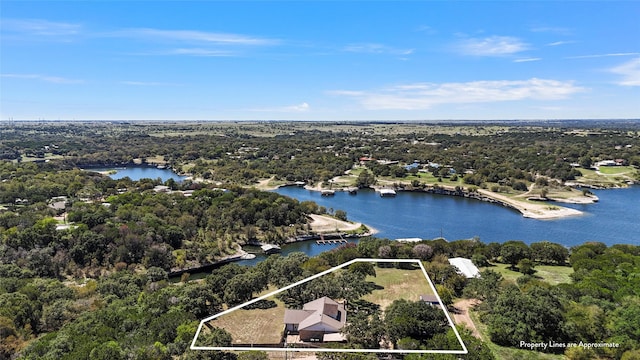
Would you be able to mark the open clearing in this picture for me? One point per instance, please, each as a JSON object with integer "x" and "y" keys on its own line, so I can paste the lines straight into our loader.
{"x": 552, "y": 274}
{"x": 256, "y": 326}
{"x": 397, "y": 284}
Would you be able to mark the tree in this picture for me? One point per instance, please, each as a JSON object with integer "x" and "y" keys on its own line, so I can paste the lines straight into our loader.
{"x": 484, "y": 288}
{"x": 480, "y": 260}
{"x": 363, "y": 268}
{"x": 417, "y": 320}
{"x": 364, "y": 331}
{"x": 110, "y": 350}
{"x": 423, "y": 251}
{"x": 514, "y": 251}
{"x": 535, "y": 315}
{"x": 525, "y": 266}
{"x": 340, "y": 215}
{"x": 365, "y": 179}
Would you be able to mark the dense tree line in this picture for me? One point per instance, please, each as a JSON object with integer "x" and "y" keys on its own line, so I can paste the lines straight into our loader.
{"x": 127, "y": 223}
{"x": 506, "y": 155}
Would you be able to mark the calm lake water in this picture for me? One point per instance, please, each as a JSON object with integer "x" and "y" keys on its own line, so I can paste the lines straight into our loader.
{"x": 615, "y": 219}
{"x": 141, "y": 172}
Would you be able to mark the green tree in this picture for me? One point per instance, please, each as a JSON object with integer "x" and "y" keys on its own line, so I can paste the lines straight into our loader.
{"x": 417, "y": 320}
{"x": 365, "y": 179}
{"x": 526, "y": 267}
{"x": 514, "y": 251}
{"x": 110, "y": 350}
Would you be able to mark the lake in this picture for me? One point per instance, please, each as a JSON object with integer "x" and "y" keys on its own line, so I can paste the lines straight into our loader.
{"x": 140, "y": 172}
{"x": 615, "y": 219}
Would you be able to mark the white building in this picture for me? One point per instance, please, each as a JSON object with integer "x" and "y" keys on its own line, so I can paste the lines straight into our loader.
{"x": 465, "y": 267}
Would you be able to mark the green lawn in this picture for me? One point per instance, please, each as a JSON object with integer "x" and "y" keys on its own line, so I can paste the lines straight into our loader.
{"x": 617, "y": 170}
{"x": 607, "y": 176}
{"x": 552, "y": 274}
{"x": 397, "y": 284}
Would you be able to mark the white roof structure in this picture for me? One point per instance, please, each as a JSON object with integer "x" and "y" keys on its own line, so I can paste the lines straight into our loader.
{"x": 409, "y": 240}
{"x": 465, "y": 267}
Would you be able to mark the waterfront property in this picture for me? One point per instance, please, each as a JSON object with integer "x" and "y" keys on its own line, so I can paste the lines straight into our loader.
{"x": 320, "y": 320}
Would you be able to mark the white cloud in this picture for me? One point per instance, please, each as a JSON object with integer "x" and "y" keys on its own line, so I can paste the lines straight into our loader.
{"x": 425, "y": 95}
{"x": 40, "y": 27}
{"x": 46, "y": 78}
{"x": 603, "y": 55}
{"x": 200, "y": 52}
{"x": 527, "y": 60}
{"x": 303, "y": 107}
{"x": 492, "y": 46}
{"x": 558, "y": 43}
{"x": 373, "y": 48}
{"x": 630, "y": 72}
{"x": 194, "y": 36}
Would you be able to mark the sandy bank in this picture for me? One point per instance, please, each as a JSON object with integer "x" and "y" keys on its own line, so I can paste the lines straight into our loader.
{"x": 326, "y": 224}
{"x": 542, "y": 211}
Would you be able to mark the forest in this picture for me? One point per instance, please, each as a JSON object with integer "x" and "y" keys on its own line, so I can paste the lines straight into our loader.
{"x": 243, "y": 153}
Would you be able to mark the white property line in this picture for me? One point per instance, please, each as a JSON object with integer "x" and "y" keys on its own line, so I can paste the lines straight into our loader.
{"x": 463, "y": 351}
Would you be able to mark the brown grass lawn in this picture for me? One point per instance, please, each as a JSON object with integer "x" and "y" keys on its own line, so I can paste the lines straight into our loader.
{"x": 253, "y": 326}
{"x": 397, "y": 284}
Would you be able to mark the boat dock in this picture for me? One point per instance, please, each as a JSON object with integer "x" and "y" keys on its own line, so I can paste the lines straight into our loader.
{"x": 324, "y": 241}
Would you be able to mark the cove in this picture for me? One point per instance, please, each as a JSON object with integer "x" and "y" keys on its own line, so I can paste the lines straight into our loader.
{"x": 137, "y": 172}
{"x": 613, "y": 220}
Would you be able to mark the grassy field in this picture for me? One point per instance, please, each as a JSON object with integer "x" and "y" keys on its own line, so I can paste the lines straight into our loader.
{"x": 607, "y": 176}
{"x": 552, "y": 274}
{"x": 257, "y": 326}
{"x": 397, "y": 284}
{"x": 617, "y": 170}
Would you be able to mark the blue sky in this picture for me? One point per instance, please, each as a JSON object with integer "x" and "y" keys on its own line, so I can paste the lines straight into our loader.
{"x": 324, "y": 60}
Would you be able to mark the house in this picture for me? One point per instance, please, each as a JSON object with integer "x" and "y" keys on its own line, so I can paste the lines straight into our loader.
{"x": 430, "y": 299}
{"x": 465, "y": 267}
{"x": 319, "y": 320}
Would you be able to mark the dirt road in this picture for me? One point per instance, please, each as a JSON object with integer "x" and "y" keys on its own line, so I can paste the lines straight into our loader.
{"x": 461, "y": 315}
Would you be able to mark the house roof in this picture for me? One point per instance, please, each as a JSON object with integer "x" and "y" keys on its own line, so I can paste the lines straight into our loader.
{"x": 318, "y": 318}
{"x": 465, "y": 267}
{"x": 296, "y": 316}
{"x": 429, "y": 298}
{"x": 316, "y": 312}
{"x": 319, "y": 304}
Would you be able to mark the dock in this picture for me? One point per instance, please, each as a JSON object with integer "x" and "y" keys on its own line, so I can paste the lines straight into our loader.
{"x": 270, "y": 249}
{"x": 324, "y": 241}
{"x": 328, "y": 192}
{"x": 387, "y": 192}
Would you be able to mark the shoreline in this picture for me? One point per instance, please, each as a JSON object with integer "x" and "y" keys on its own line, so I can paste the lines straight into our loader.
{"x": 543, "y": 211}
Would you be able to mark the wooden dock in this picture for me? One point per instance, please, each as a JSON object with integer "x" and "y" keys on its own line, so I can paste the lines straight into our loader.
{"x": 324, "y": 241}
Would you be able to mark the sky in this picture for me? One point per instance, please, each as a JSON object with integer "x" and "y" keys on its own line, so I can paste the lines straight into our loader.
{"x": 319, "y": 60}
